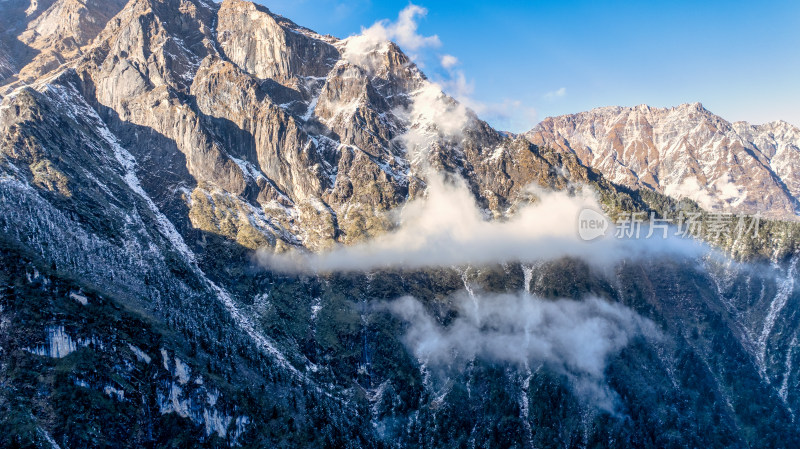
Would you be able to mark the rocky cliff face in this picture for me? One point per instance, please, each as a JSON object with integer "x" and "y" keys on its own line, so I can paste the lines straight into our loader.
{"x": 686, "y": 151}
{"x": 172, "y": 138}
{"x": 41, "y": 36}
{"x": 268, "y": 117}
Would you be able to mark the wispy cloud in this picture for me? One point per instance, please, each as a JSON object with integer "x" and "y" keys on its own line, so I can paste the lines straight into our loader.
{"x": 403, "y": 31}
{"x": 448, "y": 228}
{"x": 512, "y": 113}
{"x": 571, "y": 338}
{"x": 360, "y": 49}
{"x": 562, "y": 92}
{"x": 448, "y": 61}
{"x": 710, "y": 195}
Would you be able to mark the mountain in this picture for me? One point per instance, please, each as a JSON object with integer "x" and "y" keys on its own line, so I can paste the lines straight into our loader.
{"x": 259, "y": 111}
{"x": 686, "y": 151}
{"x": 155, "y": 152}
{"x": 39, "y": 36}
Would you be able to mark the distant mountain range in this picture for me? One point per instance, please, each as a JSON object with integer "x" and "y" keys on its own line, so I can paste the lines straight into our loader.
{"x": 686, "y": 151}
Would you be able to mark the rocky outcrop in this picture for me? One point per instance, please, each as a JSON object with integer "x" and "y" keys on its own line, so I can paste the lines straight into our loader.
{"x": 270, "y": 114}
{"x": 271, "y": 47}
{"x": 686, "y": 152}
{"x": 42, "y": 36}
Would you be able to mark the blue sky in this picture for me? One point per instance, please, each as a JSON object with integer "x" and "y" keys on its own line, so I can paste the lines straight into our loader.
{"x": 524, "y": 61}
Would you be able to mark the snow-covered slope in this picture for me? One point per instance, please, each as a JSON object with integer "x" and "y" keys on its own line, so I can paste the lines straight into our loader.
{"x": 686, "y": 151}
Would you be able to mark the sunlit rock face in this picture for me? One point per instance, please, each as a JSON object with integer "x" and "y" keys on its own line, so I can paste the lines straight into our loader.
{"x": 686, "y": 151}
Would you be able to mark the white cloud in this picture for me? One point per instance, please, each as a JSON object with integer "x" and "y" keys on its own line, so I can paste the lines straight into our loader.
{"x": 432, "y": 116}
{"x": 362, "y": 49}
{"x": 556, "y": 94}
{"x": 403, "y": 31}
{"x": 447, "y": 228}
{"x": 572, "y": 338}
{"x": 448, "y": 61}
{"x": 717, "y": 194}
{"x": 690, "y": 188}
{"x": 512, "y": 114}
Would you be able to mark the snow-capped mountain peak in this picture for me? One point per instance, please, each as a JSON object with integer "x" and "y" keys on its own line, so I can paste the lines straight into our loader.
{"x": 686, "y": 151}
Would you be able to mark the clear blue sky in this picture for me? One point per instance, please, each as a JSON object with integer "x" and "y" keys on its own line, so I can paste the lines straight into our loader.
{"x": 740, "y": 59}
